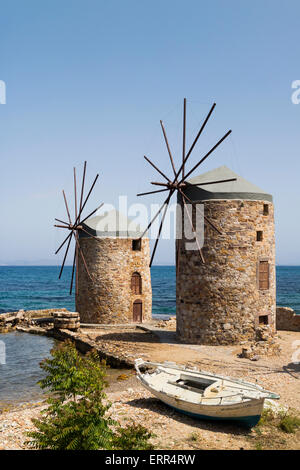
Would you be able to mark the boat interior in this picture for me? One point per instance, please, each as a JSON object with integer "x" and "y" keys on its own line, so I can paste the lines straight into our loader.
{"x": 196, "y": 384}
{"x": 191, "y": 388}
{"x": 198, "y": 387}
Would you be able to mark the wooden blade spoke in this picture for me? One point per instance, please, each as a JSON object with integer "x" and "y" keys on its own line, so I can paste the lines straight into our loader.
{"x": 153, "y": 192}
{"x": 66, "y": 204}
{"x": 75, "y": 193}
{"x": 86, "y": 199}
{"x": 195, "y": 141}
{"x": 159, "y": 232}
{"x": 158, "y": 212}
{"x": 212, "y": 225}
{"x": 82, "y": 256}
{"x": 205, "y": 218}
{"x": 77, "y": 265}
{"x": 92, "y": 213}
{"x": 207, "y": 155}
{"x": 60, "y": 247}
{"x": 192, "y": 226}
{"x": 211, "y": 182}
{"x": 201, "y": 130}
{"x": 168, "y": 147}
{"x": 64, "y": 260}
{"x": 90, "y": 234}
{"x": 82, "y": 186}
{"x": 183, "y": 136}
{"x": 73, "y": 269}
{"x": 157, "y": 169}
{"x": 159, "y": 184}
{"x": 63, "y": 222}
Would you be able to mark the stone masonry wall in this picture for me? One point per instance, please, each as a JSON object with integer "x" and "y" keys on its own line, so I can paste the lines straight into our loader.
{"x": 287, "y": 319}
{"x": 108, "y": 297}
{"x": 219, "y": 302}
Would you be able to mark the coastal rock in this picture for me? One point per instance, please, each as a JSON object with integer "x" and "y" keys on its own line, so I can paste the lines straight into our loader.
{"x": 246, "y": 353}
{"x": 287, "y": 319}
{"x": 66, "y": 320}
{"x": 264, "y": 333}
{"x": 170, "y": 324}
{"x": 265, "y": 344}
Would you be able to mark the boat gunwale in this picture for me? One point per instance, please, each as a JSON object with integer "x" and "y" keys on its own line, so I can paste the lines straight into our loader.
{"x": 244, "y": 399}
{"x": 171, "y": 365}
{"x": 241, "y": 404}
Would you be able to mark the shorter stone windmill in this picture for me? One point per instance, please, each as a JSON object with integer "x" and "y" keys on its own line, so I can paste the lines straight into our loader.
{"x": 179, "y": 181}
{"x": 75, "y": 227}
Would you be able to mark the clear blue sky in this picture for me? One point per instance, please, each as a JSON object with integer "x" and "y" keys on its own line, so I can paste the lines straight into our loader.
{"x": 91, "y": 79}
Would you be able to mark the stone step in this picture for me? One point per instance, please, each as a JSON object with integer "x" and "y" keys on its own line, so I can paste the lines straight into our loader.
{"x": 66, "y": 315}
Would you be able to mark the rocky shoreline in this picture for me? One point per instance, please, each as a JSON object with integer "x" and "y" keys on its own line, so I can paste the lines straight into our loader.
{"x": 172, "y": 431}
{"x": 120, "y": 345}
{"x": 64, "y": 325}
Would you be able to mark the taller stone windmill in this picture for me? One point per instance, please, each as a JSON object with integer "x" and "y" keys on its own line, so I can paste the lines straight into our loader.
{"x": 225, "y": 299}
{"x": 226, "y": 292}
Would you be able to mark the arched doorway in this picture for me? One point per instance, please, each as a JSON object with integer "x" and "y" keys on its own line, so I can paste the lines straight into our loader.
{"x": 137, "y": 314}
{"x": 136, "y": 283}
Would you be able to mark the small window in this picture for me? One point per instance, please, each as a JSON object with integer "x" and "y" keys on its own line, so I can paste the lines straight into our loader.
{"x": 136, "y": 284}
{"x": 259, "y": 236}
{"x": 137, "y": 244}
{"x": 263, "y": 320}
{"x": 266, "y": 209}
{"x": 263, "y": 275}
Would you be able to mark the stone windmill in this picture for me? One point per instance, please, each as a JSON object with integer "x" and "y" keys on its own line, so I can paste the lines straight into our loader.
{"x": 111, "y": 259}
{"x": 223, "y": 294}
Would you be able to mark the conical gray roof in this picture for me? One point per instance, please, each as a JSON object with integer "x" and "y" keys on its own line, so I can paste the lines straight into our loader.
{"x": 111, "y": 224}
{"x": 239, "y": 189}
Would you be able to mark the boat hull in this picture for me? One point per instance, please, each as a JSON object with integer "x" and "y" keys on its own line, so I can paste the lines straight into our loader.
{"x": 247, "y": 413}
{"x": 248, "y": 421}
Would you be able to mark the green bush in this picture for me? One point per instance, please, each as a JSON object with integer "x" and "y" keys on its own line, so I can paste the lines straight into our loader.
{"x": 267, "y": 417}
{"x": 76, "y": 418}
{"x": 289, "y": 423}
{"x": 134, "y": 437}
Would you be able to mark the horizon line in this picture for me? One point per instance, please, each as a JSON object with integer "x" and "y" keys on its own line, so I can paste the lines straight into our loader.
{"x": 70, "y": 265}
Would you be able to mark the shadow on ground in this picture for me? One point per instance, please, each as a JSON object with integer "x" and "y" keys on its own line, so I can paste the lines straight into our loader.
{"x": 293, "y": 369}
{"x": 129, "y": 337}
{"x": 160, "y": 408}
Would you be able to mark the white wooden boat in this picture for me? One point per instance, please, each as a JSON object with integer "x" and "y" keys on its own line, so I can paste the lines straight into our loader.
{"x": 202, "y": 394}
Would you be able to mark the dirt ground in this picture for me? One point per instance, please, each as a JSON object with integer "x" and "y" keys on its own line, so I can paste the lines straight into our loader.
{"x": 130, "y": 402}
{"x": 278, "y": 373}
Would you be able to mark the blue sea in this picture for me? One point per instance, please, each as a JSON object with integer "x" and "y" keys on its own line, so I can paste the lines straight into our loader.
{"x": 37, "y": 287}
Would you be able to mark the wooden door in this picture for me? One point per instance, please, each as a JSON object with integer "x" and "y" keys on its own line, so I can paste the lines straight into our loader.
{"x": 263, "y": 275}
{"x": 137, "y": 311}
